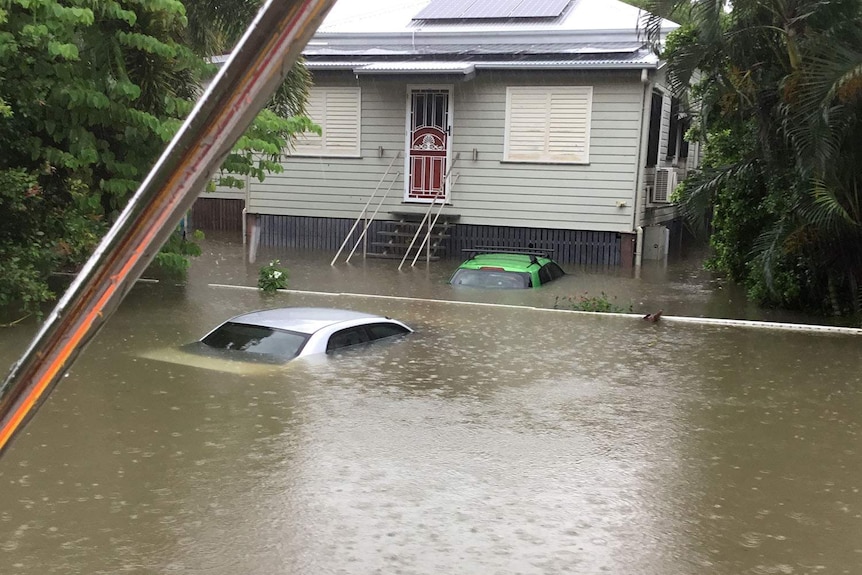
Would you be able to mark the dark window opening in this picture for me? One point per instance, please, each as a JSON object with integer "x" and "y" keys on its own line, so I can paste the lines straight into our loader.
{"x": 654, "y": 130}
{"x": 673, "y": 130}
{"x": 684, "y": 126}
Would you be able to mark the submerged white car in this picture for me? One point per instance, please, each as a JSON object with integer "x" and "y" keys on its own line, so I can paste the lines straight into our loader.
{"x": 287, "y": 333}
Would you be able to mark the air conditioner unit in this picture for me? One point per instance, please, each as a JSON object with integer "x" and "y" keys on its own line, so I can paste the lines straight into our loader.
{"x": 665, "y": 182}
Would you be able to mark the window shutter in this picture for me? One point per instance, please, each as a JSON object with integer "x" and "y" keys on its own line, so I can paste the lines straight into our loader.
{"x": 527, "y": 125}
{"x": 548, "y": 124}
{"x": 337, "y": 112}
{"x": 315, "y": 108}
{"x": 569, "y": 133}
{"x": 341, "y": 133}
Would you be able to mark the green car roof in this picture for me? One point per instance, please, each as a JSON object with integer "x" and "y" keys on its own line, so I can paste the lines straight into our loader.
{"x": 506, "y": 262}
{"x": 506, "y": 269}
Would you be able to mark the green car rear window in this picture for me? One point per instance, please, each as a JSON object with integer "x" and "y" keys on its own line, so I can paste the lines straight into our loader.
{"x": 498, "y": 279}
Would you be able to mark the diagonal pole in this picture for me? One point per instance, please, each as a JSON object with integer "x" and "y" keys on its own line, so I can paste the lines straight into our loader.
{"x": 256, "y": 68}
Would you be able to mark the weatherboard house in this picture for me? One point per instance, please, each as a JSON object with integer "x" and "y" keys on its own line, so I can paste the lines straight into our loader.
{"x": 521, "y": 123}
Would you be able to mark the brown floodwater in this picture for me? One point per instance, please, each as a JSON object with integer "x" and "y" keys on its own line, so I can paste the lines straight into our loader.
{"x": 493, "y": 440}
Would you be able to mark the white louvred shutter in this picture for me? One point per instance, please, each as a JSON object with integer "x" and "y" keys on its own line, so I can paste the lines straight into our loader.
{"x": 337, "y": 112}
{"x": 315, "y": 108}
{"x": 548, "y": 124}
{"x": 568, "y": 137}
{"x": 341, "y": 134}
{"x": 527, "y": 126}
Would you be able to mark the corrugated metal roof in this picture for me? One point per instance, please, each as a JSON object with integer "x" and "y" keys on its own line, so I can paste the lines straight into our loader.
{"x": 415, "y": 67}
{"x": 635, "y": 61}
{"x": 650, "y": 61}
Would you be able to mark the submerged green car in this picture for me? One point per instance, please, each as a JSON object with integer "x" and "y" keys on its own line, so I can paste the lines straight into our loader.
{"x": 506, "y": 269}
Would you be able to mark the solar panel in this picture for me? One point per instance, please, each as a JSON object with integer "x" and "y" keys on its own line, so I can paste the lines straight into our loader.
{"x": 444, "y": 9}
{"x": 491, "y": 9}
{"x": 482, "y": 9}
{"x": 539, "y": 9}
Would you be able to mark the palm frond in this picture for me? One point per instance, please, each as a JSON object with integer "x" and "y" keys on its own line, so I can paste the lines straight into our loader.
{"x": 701, "y": 189}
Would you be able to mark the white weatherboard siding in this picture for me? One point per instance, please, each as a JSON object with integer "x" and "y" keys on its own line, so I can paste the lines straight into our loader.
{"x": 489, "y": 191}
{"x": 338, "y": 187}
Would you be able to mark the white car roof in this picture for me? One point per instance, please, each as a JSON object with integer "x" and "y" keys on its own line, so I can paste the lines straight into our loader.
{"x": 305, "y": 320}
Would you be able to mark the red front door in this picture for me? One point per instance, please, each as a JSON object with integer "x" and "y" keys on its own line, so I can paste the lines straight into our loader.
{"x": 428, "y": 144}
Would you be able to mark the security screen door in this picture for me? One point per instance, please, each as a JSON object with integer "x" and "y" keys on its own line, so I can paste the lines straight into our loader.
{"x": 429, "y": 129}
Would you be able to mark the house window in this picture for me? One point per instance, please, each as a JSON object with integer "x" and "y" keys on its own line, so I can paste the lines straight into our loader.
{"x": 548, "y": 124}
{"x": 337, "y": 112}
{"x": 673, "y": 131}
{"x": 684, "y": 126}
{"x": 654, "y": 130}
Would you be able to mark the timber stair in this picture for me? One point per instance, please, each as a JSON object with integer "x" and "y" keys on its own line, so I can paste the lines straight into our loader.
{"x": 395, "y": 237}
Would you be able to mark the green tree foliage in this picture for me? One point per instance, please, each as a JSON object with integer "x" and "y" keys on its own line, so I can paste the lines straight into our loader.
{"x": 43, "y": 230}
{"x": 780, "y": 91}
{"x": 90, "y": 93}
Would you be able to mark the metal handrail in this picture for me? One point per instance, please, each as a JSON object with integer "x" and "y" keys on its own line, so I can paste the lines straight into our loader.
{"x": 419, "y": 229}
{"x": 365, "y": 210}
{"x": 428, "y": 214}
{"x": 371, "y": 219}
{"x": 427, "y": 240}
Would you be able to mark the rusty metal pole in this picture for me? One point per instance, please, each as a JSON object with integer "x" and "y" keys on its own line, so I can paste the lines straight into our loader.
{"x": 256, "y": 68}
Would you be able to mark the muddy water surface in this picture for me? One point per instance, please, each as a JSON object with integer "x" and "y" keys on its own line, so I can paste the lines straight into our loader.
{"x": 493, "y": 440}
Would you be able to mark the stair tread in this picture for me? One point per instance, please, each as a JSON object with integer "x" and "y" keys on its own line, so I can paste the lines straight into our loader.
{"x": 418, "y": 216}
{"x": 408, "y": 234}
{"x": 404, "y": 245}
{"x": 386, "y": 256}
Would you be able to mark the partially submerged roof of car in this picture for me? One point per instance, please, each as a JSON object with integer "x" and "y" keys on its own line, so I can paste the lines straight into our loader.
{"x": 507, "y": 262}
{"x": 507, "y": 259}
{"x": 305, "y": 320}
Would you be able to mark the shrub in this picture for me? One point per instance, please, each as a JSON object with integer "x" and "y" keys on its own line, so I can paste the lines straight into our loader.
{"x": 585, "y": 302}
{"x": 272, "y": 277}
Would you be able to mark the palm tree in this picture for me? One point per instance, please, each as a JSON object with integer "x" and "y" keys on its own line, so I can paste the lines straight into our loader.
{"x": 789, "y": 74}
{"x": 214, "y": 28}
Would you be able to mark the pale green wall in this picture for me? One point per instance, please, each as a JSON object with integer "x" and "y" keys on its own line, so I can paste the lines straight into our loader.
{"x": 489, "y": 191}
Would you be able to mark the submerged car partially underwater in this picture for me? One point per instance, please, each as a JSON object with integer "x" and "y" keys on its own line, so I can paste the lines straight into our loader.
{"x": 278, "y": 335}
{"x": 501, "y": 268}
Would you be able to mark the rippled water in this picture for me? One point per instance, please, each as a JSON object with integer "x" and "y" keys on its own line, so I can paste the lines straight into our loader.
{"x": 493, "y": 440}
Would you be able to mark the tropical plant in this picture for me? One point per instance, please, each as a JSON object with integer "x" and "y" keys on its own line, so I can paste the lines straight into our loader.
{"x": 272, "y": 277}
{"x": 779, "y": 85}
{"x": 40, "y": 235}
{"x": 90, "y": 92}
{"x": 585, "y": 302}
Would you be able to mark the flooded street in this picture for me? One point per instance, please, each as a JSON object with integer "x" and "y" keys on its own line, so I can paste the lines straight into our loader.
{"x": 492, "y": 440}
